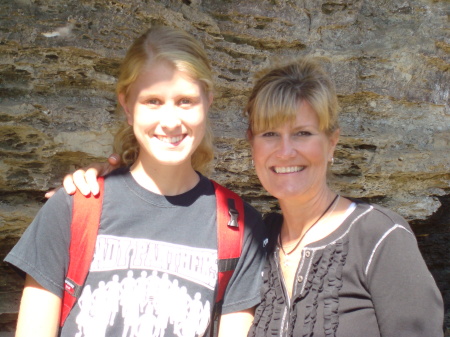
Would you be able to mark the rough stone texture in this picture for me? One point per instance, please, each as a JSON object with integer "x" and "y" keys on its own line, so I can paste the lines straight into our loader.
{"x": 390, "y": 60}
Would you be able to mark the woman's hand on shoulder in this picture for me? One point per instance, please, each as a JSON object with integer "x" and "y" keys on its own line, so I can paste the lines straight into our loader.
{"x": 85, "y": 179}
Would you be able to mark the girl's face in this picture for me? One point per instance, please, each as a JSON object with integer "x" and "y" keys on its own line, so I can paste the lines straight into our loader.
{"x": 291, "y": 160}
{"x": 168, "y": 112}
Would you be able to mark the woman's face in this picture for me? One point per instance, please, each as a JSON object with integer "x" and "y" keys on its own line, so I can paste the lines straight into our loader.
{"x": 291, "y": 160}
{"x": 168, "y": 112}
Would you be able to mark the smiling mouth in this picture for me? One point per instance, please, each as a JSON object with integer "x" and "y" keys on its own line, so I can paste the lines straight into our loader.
{"x": 170, "y": 140}
{"x": 287, "y": 169}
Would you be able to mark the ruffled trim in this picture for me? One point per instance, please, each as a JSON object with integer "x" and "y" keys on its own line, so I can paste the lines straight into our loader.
{"x": 331, "y": 316}
{"x": 269, "y": 313}
{"x": 325, "y": 276}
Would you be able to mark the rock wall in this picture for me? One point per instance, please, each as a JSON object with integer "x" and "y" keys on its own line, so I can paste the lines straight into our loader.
{"x": 389, "y": 58}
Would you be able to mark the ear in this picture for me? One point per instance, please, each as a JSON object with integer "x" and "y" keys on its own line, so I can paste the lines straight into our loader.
{"x": 334, "y": 138}
{"x": 123, "y": 102}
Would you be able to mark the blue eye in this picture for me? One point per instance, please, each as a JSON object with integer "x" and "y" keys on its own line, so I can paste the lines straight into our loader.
{"x": 153, "y": 101}
{"x": 185, "y": 101}
{"x": 188, "y": 102}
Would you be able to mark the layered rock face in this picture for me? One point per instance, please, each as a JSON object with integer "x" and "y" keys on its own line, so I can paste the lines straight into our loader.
{"x": 390, "y": 61}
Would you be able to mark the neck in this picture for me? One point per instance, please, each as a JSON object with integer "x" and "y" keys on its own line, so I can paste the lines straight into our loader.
{"x": 165, "y": 179}
{"x": 300, "y": 215}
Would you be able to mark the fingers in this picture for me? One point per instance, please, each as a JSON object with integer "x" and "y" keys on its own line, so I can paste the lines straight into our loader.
{"x": 91, "y": 178}
{"x": 76, "y": 181}
{"x": 85, "y": 180}
{"x": 68, "y": 184}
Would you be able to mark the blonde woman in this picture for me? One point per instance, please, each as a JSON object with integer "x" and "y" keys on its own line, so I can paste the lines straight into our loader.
{"x": 336, "y": 266}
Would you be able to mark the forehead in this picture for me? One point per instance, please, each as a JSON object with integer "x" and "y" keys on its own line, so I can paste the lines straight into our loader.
{"x": 274, "y": 113}
{"x": 163, "y": 76}
{"x": 306, "y": 115}
{"x": 302, "y": 116}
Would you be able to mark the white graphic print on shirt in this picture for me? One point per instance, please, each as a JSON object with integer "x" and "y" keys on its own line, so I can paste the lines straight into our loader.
{"x": 149, "y": 299}
{"x": 198, "y": 265}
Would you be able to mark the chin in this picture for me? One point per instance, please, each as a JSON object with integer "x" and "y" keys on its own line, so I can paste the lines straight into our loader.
{"x": 173, "y": 157}
{"x": 283, "y": 193}
{"x": 175, "y": 162}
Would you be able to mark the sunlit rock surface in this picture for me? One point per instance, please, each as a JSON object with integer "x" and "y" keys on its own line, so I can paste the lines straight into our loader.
{"x": 389, "y": 59}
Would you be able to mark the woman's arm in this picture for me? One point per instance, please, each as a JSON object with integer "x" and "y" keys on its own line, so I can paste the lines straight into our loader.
{"x": 405, "y": 296}
{"x": 236, "y": 324}
{"x": 85, "y": 179}
{"x": 39, "y": 311}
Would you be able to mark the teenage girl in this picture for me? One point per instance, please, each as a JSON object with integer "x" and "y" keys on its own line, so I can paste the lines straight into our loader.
{"x": 154, "y": 270}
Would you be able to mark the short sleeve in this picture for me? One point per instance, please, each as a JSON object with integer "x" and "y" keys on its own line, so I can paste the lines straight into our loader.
{"x": 405, "y": 296}
{"x": 243, "y": 291}
{"x": 42, "y": 251}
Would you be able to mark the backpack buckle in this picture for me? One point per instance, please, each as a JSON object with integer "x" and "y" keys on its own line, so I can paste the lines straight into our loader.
{"x": 234, "y": 214}
{"x": 233, "y": 218}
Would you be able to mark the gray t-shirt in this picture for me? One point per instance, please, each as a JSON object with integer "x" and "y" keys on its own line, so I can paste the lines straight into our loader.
{"x": 154, "y": 269}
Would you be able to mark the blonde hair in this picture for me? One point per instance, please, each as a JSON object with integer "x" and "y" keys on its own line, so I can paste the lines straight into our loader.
{"x": 276, "y": 96}
{"x": 185, "y": 53}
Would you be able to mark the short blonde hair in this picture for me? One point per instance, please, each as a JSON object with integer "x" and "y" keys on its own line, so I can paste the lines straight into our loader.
{"x": 186, "y": 54}
{"x": 279, "y": 90}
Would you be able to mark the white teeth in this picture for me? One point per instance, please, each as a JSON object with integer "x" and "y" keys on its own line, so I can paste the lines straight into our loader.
{"x": 170, "y": 139}
{"x": 288, "y": 169}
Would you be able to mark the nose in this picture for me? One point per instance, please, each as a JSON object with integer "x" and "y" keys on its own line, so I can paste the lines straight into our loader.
{"x": 169, "y": 117}
{"x": 286, "y": 148}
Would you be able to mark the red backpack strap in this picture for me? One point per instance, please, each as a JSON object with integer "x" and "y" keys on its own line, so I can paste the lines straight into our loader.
{"x": 86, "y": 214}
{"x": 230, "y": 233}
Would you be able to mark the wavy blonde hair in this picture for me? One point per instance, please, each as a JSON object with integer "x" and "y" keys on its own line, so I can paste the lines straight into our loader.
{"x": 278, "y": 91}
{"x": 186, "y": 54}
